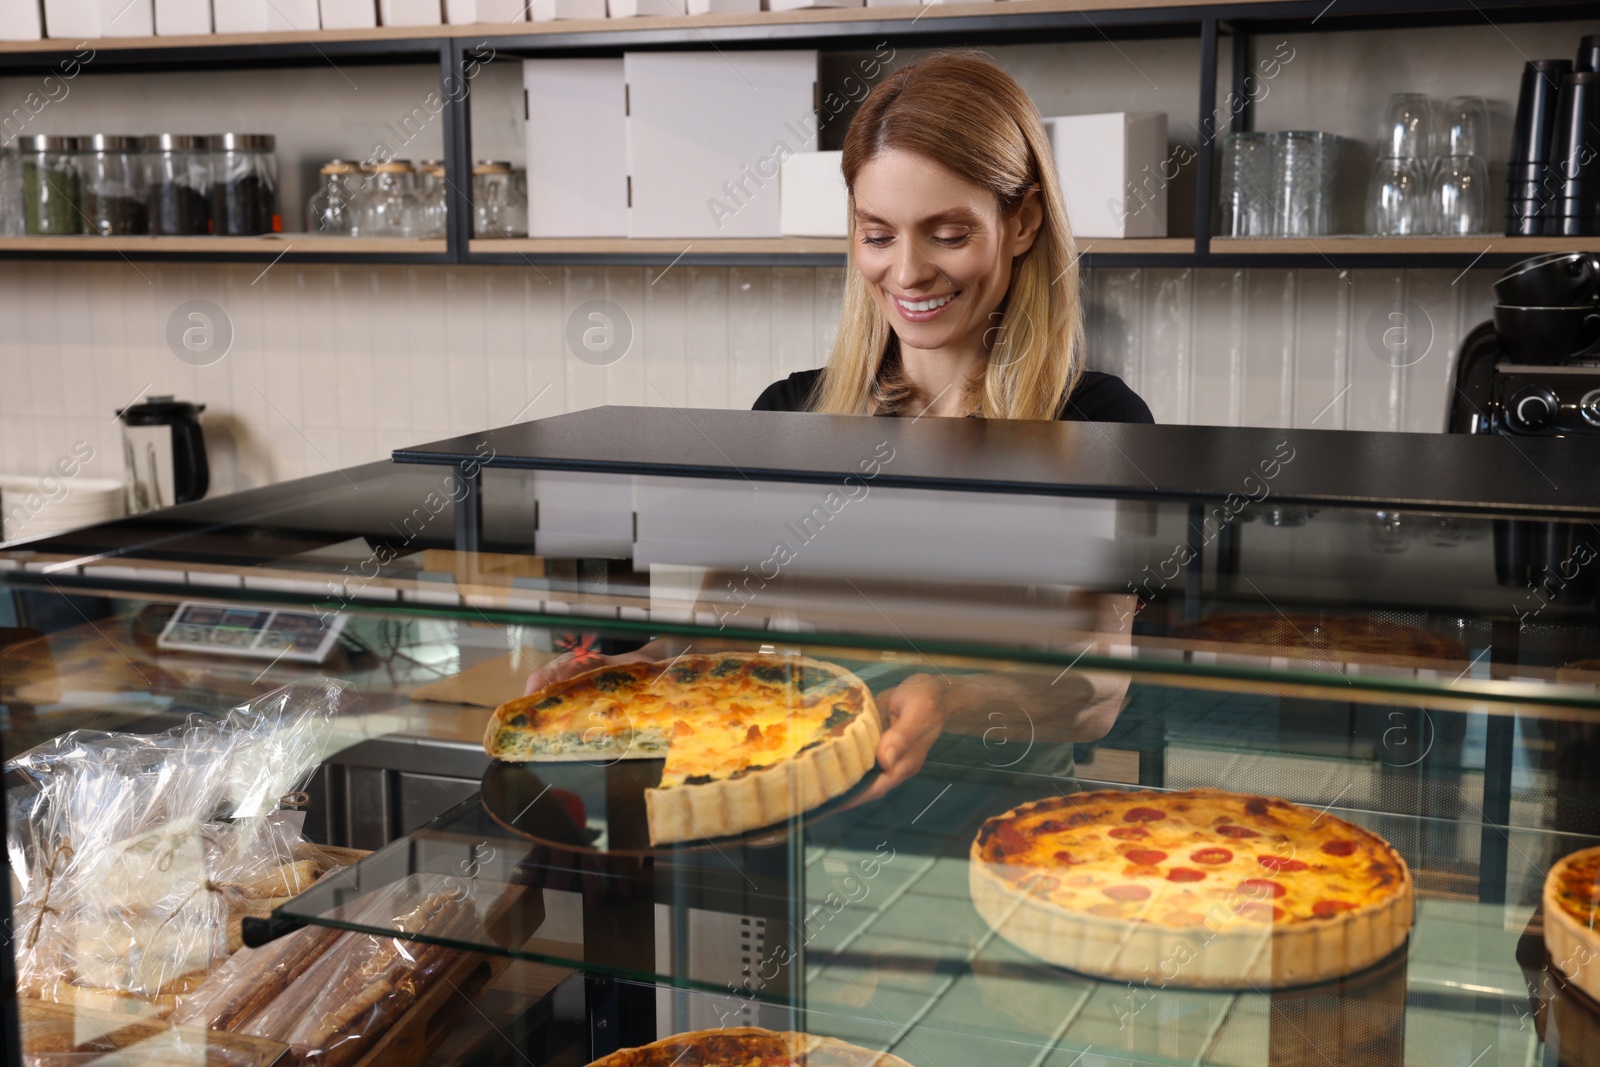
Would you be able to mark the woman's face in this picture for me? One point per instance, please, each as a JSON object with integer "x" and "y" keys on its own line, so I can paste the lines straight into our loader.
{"x": 935, "y": 250}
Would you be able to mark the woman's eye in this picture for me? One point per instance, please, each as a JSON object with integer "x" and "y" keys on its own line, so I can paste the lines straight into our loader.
{"x": 876, "y": 240}
{"x": 950, "y": 239}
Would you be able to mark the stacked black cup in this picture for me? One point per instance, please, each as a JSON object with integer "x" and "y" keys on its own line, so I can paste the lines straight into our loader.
{"x": 1532, "y": 183}
{"x": 1553, "y": 187}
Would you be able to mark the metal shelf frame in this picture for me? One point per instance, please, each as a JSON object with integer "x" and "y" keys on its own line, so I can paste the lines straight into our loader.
{"x": 451, "y": 49}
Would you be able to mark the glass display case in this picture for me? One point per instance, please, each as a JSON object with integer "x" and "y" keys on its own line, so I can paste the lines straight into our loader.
{"x": 1413, "y": 674}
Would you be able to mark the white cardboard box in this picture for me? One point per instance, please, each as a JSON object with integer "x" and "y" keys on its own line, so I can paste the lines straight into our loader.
{"x": 1110, "y": 168}
{"x": 795, "y": 5}
{"x": 550, "y": 10}
{"x": 411, "y": 12}
{"x": 707, "y": 137}
{"x": 178, "y": 18}
{"x": 627, "y": 9}
{"x": 815, "y": 202}
{"x": 577, "y": 138}
{"x": 349, "y": 14}
{"x": 723, "y": 7}
{"x": 21, "y": 20}
{"x": 463, "y": 11}
{"x": 262, "y": 16}
{"x": 88, "y": 19}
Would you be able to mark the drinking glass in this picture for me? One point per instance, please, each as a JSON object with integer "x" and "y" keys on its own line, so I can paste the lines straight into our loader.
{"x": 1464, "y": 129}
{"x": 1458, "y": 195}
{"x": 1244, "y": 207}
{"x": 1408, "y": 127}
{"x": 1397, "y": 200}
{"x": 1295, "y": 182}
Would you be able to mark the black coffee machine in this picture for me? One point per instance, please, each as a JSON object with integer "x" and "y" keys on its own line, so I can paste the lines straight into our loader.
{"x": 1534, "y": 371}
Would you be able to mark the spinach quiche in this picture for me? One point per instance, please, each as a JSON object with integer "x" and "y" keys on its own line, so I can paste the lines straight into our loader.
{"x": 749, "y": 739}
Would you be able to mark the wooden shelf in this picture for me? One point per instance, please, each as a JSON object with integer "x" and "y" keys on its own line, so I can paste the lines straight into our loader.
{"x": 294, "y": 245}
{"x": 643, "y": 24}
{"x": 668, "y": 246}
{"x": 929, "y": 17}
{"x": 752, "y": 251}
{"x": 1362, "y": 244}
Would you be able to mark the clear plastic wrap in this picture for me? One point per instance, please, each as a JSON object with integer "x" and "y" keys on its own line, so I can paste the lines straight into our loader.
{"x": 333, "y": 1013}
{"x": 133, "y": 852}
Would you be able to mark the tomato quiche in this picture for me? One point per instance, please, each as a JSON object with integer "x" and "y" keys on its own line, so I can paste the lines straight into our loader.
{"x": 748, "y": 1046}
{"x": 749, "y": 739}
{"x": 1572, "y": 919}
{"x": 1202, "y": 888}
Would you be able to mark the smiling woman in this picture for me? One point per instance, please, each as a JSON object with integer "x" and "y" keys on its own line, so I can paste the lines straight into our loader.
{"x": 962, "y": 292}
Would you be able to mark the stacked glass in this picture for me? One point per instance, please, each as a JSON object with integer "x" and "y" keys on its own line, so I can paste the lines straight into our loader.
{"x": 1278, "y": 184}
{"x": 1432, "y": 171}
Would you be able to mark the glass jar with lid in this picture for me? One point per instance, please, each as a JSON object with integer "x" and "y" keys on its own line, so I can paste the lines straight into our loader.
{"x": 244, "y": 184}
{"x": 177, "y": 174}
{"x": 491, "y": 198}
{"x": 50, "y": 185}
{"x": 333, "y": 209}
{"x": 111, "y": 185}
{"x": 10, "y": 191}
{"x": 389, "y": 208}
{"x": 431, "y": 204}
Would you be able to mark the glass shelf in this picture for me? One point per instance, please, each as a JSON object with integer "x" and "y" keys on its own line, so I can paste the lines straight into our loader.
{"x": 873, "y": 909}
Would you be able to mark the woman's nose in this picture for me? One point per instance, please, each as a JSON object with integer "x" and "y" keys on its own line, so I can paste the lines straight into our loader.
{"x": 912, "y": 268}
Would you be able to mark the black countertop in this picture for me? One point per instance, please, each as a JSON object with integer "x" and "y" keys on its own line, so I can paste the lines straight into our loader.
{"x": 1523, "y": 477}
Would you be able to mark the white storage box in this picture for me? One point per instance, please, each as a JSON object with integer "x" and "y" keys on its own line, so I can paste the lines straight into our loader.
{"x": 723, "y": 7}
{"x": 458, "y": 12}
{"x": 180, "y": 18}
{"x": 550, "y": 10}
{"x": 88, "y": 19}
{"x": 707, "y": 138}
{"x": 1111, "y": 172}
{"x": 627, "y": 9}
{"x": 795, "y": 5}
{"x": 21, "y": 20}
{"x": 411, "y": 12}
{"x": 815, "y": 200}
{"x": 349, "y": 14}
{"x": 263, "y": 16}
{"x": 577, "y": 138}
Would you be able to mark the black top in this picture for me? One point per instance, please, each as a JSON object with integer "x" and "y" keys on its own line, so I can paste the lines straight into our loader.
{"x": 1098, "y": 398}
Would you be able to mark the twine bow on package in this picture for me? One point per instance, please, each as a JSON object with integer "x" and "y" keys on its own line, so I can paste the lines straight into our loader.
{"x": 135, "y": 857}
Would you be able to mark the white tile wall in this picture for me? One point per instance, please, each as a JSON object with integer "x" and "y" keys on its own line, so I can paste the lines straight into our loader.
{"x": 336, "y": 365}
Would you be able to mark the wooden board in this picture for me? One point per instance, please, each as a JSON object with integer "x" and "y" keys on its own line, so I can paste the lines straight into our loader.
{"x": 62, "y": 1028}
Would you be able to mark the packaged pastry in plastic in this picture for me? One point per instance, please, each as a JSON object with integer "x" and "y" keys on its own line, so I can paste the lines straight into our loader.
{"x": 132, "y": 853}
{"x": 331, "y": 1014}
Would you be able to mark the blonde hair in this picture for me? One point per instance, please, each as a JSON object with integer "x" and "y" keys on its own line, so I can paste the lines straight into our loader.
{"x": 959, "y": 109}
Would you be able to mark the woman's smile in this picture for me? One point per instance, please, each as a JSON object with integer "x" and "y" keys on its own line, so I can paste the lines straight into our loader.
{"x": 923, "y": 309}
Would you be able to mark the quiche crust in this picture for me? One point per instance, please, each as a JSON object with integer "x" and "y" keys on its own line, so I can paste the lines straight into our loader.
{"x": 1240, "y": 952}
{"x": 760, "y": 798}
{"x": 1574, "y": 946}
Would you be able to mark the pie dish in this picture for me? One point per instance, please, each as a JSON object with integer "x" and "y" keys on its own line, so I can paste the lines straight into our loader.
{"x": 749, "y": 739}
{"x": 1203, "y": 888}
{"x": 748, "y": 1046}
{"x": 1571, "y": 915}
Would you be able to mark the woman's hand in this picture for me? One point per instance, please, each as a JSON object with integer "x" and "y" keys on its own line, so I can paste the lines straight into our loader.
{"x": 914, "y": 712}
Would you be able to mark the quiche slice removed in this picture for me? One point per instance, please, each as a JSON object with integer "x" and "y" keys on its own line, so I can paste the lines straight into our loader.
{"x": 749, "y": 739}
